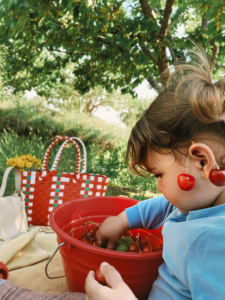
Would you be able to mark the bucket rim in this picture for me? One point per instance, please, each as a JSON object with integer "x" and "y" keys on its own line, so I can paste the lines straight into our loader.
{"x": 97, "y": 250}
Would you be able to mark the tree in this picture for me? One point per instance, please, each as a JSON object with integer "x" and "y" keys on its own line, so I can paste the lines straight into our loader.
{"x": 63, "y": 94}
{"x": 135, "y": 110}
{"x": 112, "y": 43}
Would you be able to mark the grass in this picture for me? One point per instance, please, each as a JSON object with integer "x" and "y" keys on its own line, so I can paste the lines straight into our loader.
{"x": 34, "y": 115}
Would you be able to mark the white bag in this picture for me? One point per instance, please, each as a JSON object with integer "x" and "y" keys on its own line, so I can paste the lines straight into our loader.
{"x": 13, "y": 219}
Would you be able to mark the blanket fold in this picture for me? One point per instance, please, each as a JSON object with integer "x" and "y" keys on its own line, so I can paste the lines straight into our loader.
{"x": 22, "y": 251}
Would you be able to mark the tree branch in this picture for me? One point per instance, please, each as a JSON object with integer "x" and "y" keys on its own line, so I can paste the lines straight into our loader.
{"x": 147, "y": 9}
{"x": 148, "y": 52}
{"x": 154, "y": 84}
{"x": 204, "y": 21}
{"x": 173, "y": 46}
{"x": 218, "y": 66}
{"x": 214, "y": 52}
{"x": 99, "y": 104}
{"x": 166, "y": 16}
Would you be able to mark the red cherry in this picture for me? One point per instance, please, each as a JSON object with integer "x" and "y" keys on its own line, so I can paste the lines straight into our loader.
{"x": 217, "y": 176}
{"x": 143, "y": 242}
{"x": 146, "y": 249}
{"x": 186, "y": 182}
{"x": 99, "y": 277}
{"x": 93, "y": 231}
{"x": 133, "y": 248}
{"x": 92, "y": 239}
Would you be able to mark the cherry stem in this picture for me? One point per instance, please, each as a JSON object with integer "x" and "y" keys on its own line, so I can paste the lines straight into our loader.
{"x": 150, "y": 244}
{"x": 187, "y": 163}
{"x": 154, "y": 236}
{"x": 217, "y": 166}
{"x": 82, "y": 224}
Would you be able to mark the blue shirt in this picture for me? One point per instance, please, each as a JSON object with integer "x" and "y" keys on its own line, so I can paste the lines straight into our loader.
{"x": 193, "y": 249}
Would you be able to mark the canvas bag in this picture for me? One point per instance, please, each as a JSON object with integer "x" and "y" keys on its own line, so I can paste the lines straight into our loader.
{"x": 13, "y": 220}
{"x": 46, "y": 190}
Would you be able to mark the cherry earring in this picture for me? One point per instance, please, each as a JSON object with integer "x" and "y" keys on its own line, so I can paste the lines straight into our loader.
{"x": 217, "y": 176}
{"x": 186, "y": 182}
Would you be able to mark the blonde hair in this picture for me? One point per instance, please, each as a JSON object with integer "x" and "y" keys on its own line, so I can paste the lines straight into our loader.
{"x": 190, "y": 105}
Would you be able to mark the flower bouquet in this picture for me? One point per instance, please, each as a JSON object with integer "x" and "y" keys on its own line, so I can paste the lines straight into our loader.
{"x": 25, "y": 163}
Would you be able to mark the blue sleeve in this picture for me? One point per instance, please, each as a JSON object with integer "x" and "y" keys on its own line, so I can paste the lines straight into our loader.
{"x": 149, "y": 213}
{"x": 205, "y": 266}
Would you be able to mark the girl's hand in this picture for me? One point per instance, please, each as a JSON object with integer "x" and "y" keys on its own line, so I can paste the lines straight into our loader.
{"x": 112, "y": 229}
{"x": 116, "y": 289}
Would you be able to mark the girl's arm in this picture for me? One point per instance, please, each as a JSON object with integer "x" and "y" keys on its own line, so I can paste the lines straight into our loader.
{"x": 146, "y": 214}
{"x": 149, "y": 213}
{"x": 8, "y": 291}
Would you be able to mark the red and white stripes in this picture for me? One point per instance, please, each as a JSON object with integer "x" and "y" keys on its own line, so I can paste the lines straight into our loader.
{"x": 46, "y": 158}
{"x": 58, "y": 155}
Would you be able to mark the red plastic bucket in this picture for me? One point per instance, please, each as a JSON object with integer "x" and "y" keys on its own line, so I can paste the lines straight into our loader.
{"x": 138, "y": 270}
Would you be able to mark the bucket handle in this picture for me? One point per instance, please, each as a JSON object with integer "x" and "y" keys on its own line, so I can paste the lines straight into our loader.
{"x": 46, "y": 267}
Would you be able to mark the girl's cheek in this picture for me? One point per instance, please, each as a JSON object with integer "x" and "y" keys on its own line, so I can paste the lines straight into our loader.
{"x": 159, "y": 184}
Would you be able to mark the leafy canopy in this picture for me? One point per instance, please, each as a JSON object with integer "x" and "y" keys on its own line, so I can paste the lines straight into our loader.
{"x": 111, "y": 43}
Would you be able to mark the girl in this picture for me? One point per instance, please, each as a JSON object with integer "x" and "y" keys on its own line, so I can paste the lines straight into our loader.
{"x": 180, "y": 139}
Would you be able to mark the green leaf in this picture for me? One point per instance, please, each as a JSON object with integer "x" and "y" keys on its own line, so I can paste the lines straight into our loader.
{"x": 21, "y": 23}
{"x": 76, "y": 12}
{"x": 222, "y": 16}
{"x": 83, "y": 10}
{"x": 41, "y": 21}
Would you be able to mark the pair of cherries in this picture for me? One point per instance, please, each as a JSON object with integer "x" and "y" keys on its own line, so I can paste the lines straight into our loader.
{"x": 217, "y": 176}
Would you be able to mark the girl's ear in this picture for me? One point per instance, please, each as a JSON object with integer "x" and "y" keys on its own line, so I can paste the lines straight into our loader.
{"x": 204, "y": 156}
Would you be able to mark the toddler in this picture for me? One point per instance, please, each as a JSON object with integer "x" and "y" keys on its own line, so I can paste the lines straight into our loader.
{"x": 180, "y": 139}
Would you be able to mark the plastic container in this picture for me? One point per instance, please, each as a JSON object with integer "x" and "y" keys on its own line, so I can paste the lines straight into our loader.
{"x": 138, "y": 270}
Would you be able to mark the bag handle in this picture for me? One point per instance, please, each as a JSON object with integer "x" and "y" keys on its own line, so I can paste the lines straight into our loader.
{"x": 17, "y": 180}
{"x": 46, "y": 158}
{"x": 58, "y": 155}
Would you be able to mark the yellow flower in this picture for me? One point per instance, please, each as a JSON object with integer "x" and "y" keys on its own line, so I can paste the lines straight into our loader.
{"x": 20, "y": 164}
{"x": 29, "y": 157}
{"x": 10, "y": 161}
{"x": 23, "y": 156}
{"x": 29, "y": 164}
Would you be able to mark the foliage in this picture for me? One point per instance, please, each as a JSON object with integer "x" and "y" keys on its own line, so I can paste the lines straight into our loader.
{"x": 36, "y": 117}
{"x": 64, "y": 95}
{"x": 111, "y": 43}
{"x": 135, "y": 111}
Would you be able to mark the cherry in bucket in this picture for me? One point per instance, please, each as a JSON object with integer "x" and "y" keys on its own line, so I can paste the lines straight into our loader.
{"x": 140, "y": 243}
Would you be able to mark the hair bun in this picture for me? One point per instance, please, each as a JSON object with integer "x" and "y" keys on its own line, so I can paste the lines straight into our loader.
{"x": 206, "y": 98}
